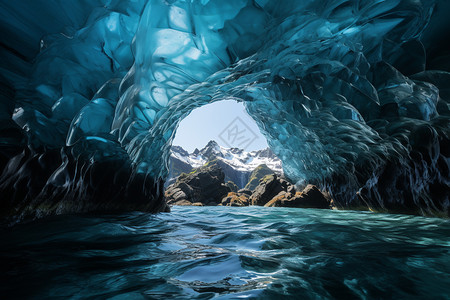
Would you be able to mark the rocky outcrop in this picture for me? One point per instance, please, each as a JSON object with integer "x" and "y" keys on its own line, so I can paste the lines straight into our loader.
{"x": 233, "y": 187}
{"x": 310, "y": 197}
{"x": 269, "y": 186}
{"x": 235, "y": 199}
{"x": 274, "y": 191}
{"x": 203, "y": 186}
{"x": 257, "y": 174}
{"x": 245, "y": 191}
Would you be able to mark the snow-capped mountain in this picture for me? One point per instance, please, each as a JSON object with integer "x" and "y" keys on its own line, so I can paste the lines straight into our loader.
{"x": 237, "y": 164}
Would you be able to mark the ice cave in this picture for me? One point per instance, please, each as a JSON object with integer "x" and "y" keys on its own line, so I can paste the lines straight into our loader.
{"x": 352, "y": 96}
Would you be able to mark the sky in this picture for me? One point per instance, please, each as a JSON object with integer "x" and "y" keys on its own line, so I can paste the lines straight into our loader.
{"x": 226, "y": 122}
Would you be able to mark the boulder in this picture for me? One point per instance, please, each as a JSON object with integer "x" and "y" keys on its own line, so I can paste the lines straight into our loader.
{"x": 310, "y": 197}
{"x": 269, "y": 186}
{"x": 175, "y": 194}
{"x": 245, "y": 191}
{"x": 235, "y": 199}
{"x": 182, "y": 203}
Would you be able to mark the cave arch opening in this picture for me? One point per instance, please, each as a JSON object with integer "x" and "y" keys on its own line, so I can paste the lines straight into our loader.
{"x": 218, "y": 156}
{"x": 273, "y": 119}
{"x": 221, "y": 132}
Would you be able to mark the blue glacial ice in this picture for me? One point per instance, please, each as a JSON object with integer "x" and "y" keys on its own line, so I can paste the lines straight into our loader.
{"x": 351, "y": 95}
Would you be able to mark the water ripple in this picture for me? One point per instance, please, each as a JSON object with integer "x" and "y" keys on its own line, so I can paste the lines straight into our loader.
{"x": 228, "y": 253}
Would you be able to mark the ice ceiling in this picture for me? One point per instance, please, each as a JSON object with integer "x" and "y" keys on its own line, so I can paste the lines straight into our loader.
{"x": 351, "y": 95}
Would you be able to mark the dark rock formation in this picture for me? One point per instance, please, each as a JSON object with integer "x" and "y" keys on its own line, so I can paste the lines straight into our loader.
{"x": 310, "y": 197}
{"x": 269, "y": 186}
{"x": 245, "y": 191}
{"x": 183, "y": 203}
{"x": 233, "y": 187}
{"x": 60, "y": 182}
{"x": 256, "y": 175}
{"x": 235, "y": 199}
{"x": 204, "y": 186}
{"x": 274, "y": 191}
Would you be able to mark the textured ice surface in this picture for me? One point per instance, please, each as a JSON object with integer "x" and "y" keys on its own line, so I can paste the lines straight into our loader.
{"x": 351, "y": 95}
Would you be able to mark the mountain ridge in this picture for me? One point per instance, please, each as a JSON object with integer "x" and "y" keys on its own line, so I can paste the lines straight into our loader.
{"x": 236, "y": 163}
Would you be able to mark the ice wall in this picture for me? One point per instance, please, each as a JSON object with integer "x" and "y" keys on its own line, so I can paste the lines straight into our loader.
{"x": 351, "y": 95}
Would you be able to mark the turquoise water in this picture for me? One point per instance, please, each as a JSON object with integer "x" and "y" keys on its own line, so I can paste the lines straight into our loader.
{"x": 228, "y": 253}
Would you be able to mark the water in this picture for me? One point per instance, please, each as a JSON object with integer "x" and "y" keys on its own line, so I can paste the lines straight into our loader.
{"x": 228, "y": 253}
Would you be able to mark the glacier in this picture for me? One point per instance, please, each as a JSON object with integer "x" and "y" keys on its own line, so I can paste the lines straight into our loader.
{"x": 352, "y": 96}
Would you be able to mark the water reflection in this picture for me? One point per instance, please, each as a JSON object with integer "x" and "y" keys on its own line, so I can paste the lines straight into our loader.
{"x": 223, "y": 252}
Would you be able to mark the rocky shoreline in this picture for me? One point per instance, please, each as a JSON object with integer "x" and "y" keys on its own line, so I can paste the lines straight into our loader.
{"x": 205, "y": 187}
